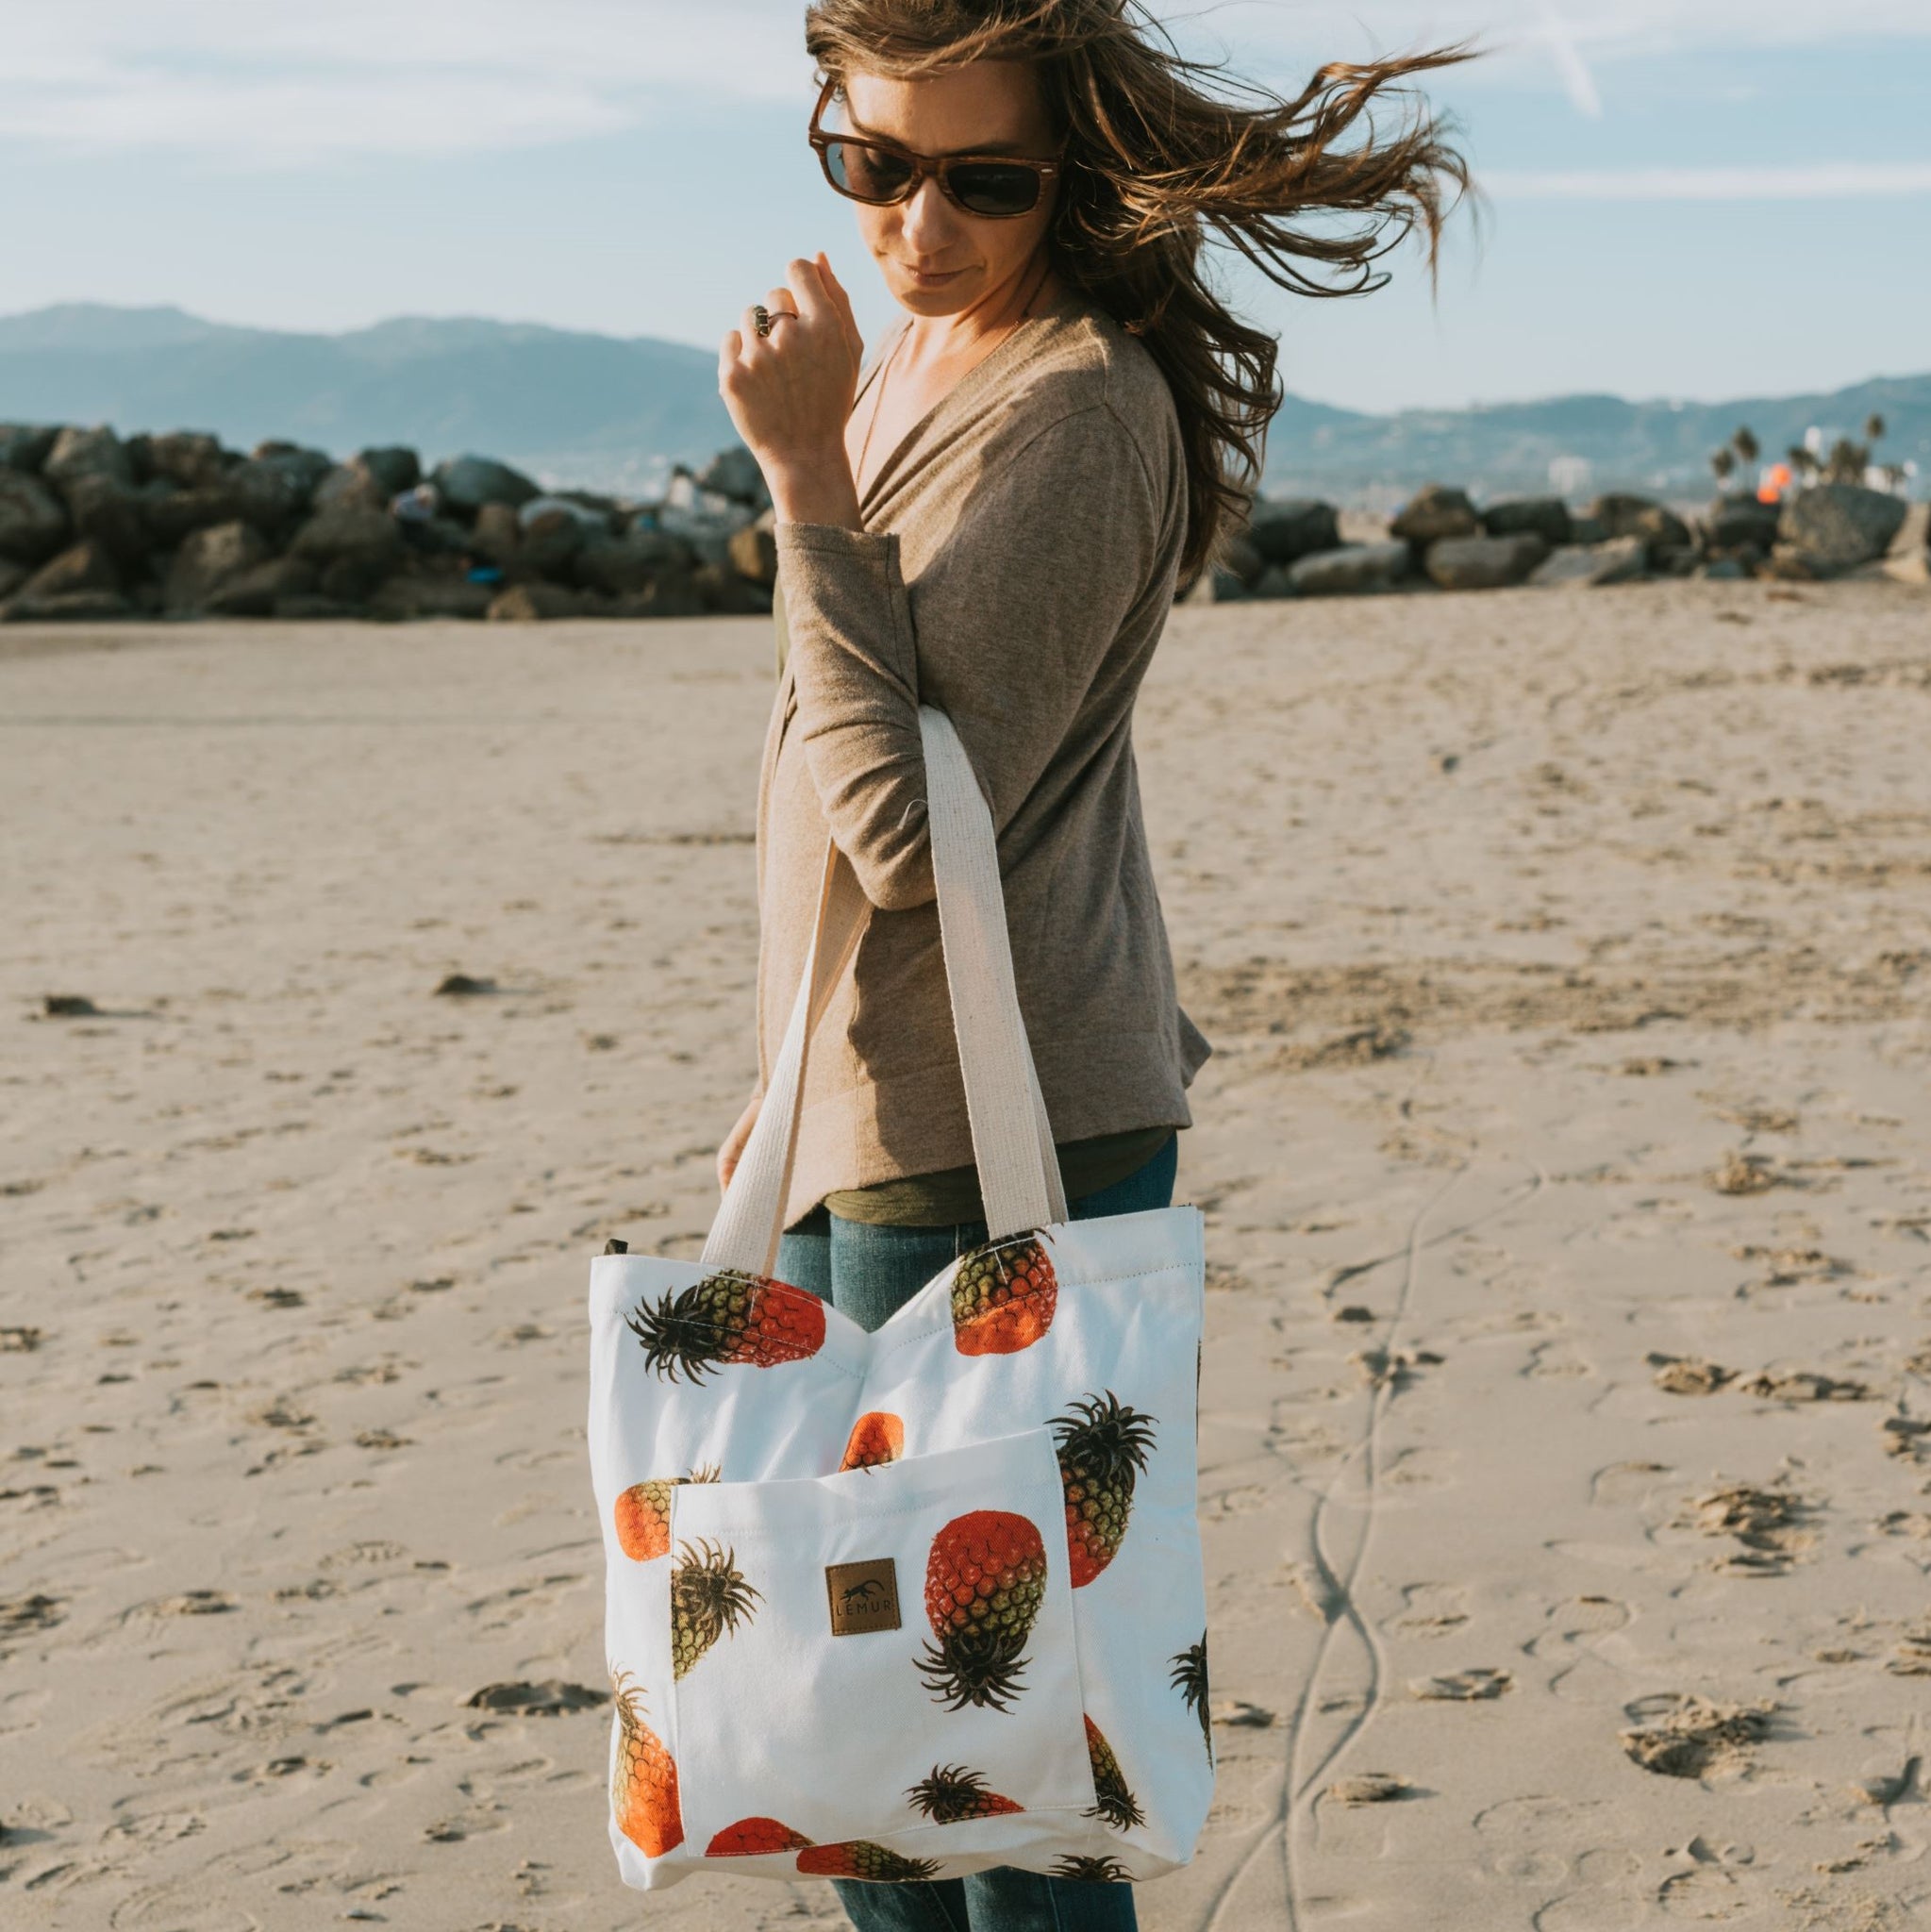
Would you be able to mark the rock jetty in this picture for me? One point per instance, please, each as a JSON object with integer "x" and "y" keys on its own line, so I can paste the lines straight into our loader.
{"x": 94, "y": 527}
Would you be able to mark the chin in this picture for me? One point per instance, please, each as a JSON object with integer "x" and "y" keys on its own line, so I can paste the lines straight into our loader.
{"x": 945, "y": 298}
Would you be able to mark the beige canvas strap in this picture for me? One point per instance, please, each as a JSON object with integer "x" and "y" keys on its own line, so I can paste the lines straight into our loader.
{"x": 1012, "y": 1138}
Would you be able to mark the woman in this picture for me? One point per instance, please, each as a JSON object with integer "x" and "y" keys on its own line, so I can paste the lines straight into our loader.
{"x": 994, "y": 520}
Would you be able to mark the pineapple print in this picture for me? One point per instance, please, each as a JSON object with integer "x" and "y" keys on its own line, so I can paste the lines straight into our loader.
{"x": 953, "y": 1793}
{"x": 985, "y": 1579}
{"x": 751, "y": 1838}
{"x": 644, "y": 1514}
{"x": 728, "y": 1317}
{"x": 1116, "y": 1804}
{"x": 644, "y": 1783}
{"x": 1103, "y": 1448}
{"x": 1003, "y": 1296}
{"x": 877, "y": 1435}
{"x": 1092, "y": 1871}
{"x": 710, "y": 1598}
{"x": 861, "y": 1858}
{"x": 1189, "y": 1679}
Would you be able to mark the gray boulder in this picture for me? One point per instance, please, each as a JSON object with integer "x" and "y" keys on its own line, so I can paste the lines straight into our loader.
{"x": 392, "y": 469}
{"x": 630, "y": 563}
{"x": 71, "y": 606}
{"x": 467, "y": 483}
{"x": 679, "y": 594}
{"x": 1294, "y": 528}
{"x": 209, "y": 560}
{"x": 553, "y": 540}
{"x": 33, "y": 520}
{"x": 1587, "y": 529}
{"x": 535, "y": 603}
{"x": 80, "y": 567}
{"x": 1350, "y": 571}
{"x": 754, "y": 554}
{"x": 1485, "y": 563}
{"x": 734, "y": 473}
{"x": 346, "y": 486}
{"x": 497, "y": 534}
{"x": 1909, "y": 557}
{"x": 272, "y": 492}
{"x": 1434, "y": 514}
{"x": 1740, "y": 522}
{"x": 12, "y": 576}
{"x": 367, "y": 538}
{"x": 1547, "y": 517}
{"x": 1616, "y": 561}
{"x": 112, "y": 514}
{"x": 593, "y": 517}
{"x": 1243, "y": 559}
{"x": 1836, "y": 527}
{"x": 189, "y": 458}
{"x": 1662, "y": 530}
{"x": 403, "y": 598}
{"x": 1273, "y": 581}
{"x": 25, "y": 446}
{"x": 260, "y": 589}
{"x": 174, "y": 515}
{"x": 88, "y": 453}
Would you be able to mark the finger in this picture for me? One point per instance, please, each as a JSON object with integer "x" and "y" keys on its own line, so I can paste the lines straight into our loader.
{"x": 729, "y": 351}
{"x": 814, "y": 300}
{"x": 779, "y": 302}
{"x": 753, "y": 342}
{"x": 854, "y": 335}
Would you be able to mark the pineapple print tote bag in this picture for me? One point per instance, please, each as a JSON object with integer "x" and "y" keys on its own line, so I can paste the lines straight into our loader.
{"x": 910, "y": 1604}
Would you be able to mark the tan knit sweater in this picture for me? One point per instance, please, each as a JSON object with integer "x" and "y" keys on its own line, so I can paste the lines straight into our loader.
{"x": 1016, "y": 568}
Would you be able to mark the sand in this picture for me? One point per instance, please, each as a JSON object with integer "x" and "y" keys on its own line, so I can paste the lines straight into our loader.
{"x": 1567, "y": 1447}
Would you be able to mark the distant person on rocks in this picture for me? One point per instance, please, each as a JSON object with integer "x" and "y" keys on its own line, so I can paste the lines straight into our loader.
{"x": 992, "y": 516}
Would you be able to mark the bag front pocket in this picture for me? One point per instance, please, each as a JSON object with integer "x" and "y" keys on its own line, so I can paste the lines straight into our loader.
{"x": 873, "y": 1673}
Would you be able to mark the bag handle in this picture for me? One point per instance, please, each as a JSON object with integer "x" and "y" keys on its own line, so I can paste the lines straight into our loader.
{"x": 1012, "y": 1137}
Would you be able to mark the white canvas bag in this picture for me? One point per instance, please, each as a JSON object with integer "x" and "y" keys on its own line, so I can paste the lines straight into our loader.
{"x": 910, "y": 1604}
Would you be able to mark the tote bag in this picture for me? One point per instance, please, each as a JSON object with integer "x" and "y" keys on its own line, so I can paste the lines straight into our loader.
{"x": 910, "y": 1604}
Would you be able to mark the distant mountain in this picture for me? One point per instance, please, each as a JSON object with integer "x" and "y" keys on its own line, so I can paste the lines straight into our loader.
{"x": 576, "y": 407}
{"x": 615, "y": 412}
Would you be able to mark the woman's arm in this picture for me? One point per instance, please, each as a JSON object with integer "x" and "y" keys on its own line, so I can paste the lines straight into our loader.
{"x": 1005, "y": 628}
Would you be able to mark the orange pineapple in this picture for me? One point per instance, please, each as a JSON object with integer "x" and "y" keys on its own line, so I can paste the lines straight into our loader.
{"x": 861, "y": 1858}
{"x": 1003, "y": 1296}
{"x": 953, "y": 1793}
{"x": 1116, "y": 1804}
{"x": 1103, "y": 1447}
{"x": 642, "y": 1514}
{"x": 877, "y": 1435}
{"x": 643, "y": 1787}
{"x": 728, "y": 1317}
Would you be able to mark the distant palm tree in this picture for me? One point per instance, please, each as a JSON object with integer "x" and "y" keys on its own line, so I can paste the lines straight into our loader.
{"x": 1874, "y": 429}
{"x": 1801, "y": 459}
{"x": 1725, "y": 464}
{"x": 1744, "y": 443}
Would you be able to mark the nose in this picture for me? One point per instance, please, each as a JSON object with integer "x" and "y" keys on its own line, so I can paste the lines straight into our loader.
{"x": 929, "y": 223}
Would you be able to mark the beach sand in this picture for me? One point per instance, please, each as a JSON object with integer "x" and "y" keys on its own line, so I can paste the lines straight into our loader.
{"x": 1566, "y": 1457}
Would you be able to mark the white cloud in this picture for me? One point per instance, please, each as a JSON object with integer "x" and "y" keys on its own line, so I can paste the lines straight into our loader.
{"x": 1820, "y": 181}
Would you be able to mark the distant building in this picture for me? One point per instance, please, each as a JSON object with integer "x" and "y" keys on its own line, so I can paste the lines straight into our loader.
{"x": 1570, "y": 475}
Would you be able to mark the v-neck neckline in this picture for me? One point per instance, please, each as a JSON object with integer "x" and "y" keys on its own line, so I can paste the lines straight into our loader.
{"x": 970, "y": 380}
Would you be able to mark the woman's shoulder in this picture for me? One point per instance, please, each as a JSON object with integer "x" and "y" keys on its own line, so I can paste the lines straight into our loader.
{"x": 1085, "y": 366}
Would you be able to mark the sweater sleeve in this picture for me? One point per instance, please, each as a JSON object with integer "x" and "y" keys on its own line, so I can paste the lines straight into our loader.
{"x": 1005, "y": 628}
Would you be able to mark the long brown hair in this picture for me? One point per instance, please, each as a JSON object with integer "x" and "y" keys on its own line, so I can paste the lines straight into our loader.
{"x": 1167, "y": 155}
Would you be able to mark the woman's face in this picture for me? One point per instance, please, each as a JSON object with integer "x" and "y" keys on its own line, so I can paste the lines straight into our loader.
{"x": 938, "y": 260}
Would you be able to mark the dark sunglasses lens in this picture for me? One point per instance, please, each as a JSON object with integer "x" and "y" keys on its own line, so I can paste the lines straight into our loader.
{"x": 995, "y": 188}
{"x": 866, "y": 172}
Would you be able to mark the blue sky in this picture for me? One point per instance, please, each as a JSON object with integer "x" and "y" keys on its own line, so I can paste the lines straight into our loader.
{"x": 1702, "y": 198}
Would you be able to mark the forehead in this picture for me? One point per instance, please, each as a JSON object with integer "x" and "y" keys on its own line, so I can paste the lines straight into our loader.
{"x": 985, "y": 106}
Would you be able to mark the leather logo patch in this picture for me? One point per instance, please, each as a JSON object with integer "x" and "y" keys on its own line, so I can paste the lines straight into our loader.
{"x": 864, "y": 1596}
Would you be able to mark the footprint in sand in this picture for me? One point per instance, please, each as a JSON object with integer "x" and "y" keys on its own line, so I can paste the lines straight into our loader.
{"x": 1577, "y": 1627}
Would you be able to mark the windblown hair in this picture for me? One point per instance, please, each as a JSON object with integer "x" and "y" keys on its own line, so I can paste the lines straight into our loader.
{"x": 1167, "y": 155}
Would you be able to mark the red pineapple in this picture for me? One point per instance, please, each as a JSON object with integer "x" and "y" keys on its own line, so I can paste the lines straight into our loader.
{"x": 729, "y": 1317}
{"x": 877, "y": 1435}
{"x": 953, "y": 1793}
{"x": 751, "y": 1838}
{"x": 1103, "y": 1447}
{"x": 985, "y": 1580}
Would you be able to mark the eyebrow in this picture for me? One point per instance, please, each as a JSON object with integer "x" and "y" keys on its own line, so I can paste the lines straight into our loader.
{"x": 984, "y": 147}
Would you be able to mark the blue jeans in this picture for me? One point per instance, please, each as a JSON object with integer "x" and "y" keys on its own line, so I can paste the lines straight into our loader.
{"x": 869, "y": 1274}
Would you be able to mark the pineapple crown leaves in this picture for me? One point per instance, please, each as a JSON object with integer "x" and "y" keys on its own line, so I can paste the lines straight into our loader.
{"x": 626, "y": 1694}
{"x": 951, "y": 1792}
{"x": 976, "y": 1666}
{"x": 709, "y": 1588}
{"x": 679, "y": 1331}
{"x": 1189, "y": 1675}
{"x": 1107, "y": 1871}
{"x": 1103, "y": 1437}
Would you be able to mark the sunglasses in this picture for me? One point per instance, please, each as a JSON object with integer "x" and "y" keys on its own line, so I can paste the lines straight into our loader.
{"x": 996, "y": 186}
